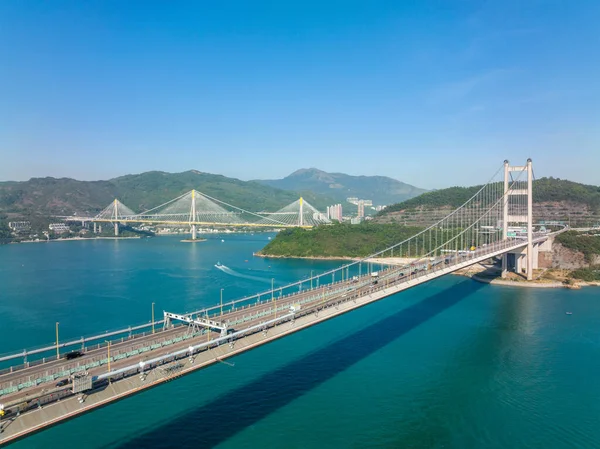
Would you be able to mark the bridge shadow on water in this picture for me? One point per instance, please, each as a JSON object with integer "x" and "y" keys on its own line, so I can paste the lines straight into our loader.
{"x": 215, "y": 422}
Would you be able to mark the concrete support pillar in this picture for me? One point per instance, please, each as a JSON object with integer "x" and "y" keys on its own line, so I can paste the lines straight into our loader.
{"x": 95, "y": 231}
{"x": 116, "y": 229}
{"x": 194, "y": 232}
{"x": 529, "y": 221}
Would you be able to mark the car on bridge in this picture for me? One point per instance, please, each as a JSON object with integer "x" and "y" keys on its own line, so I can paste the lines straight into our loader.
{"x": 73, "y": 355}
{"x": 63, "y": 382}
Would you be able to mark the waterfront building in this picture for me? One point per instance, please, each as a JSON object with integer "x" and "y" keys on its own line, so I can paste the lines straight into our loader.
{"x": 19, "y": 226}
{"x": 58, "y": 228}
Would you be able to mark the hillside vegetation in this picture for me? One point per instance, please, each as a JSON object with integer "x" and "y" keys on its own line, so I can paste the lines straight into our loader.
{"x": 544, "y": 190}
{"x": 339, "y": 240}
{"x": 587, "y": 244}
{"x": 65, "y": 196}
{"x": 590, "y": 274}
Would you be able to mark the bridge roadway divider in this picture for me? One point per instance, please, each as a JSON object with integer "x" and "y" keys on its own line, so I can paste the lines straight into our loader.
{"x": 55, "y": 412}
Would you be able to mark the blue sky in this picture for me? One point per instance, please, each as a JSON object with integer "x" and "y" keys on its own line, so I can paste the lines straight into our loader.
{"x": 433, "y": 93}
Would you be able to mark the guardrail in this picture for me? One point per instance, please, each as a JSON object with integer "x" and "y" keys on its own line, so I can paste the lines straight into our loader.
{"x": 80, "y": 341}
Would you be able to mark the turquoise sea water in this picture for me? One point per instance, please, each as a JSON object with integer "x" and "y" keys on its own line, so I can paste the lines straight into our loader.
{"x": 450, "y": 364}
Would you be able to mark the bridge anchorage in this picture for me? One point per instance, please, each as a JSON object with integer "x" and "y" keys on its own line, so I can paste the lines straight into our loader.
{"x": 493, "y": 222}
{"x": 195, "y": 209}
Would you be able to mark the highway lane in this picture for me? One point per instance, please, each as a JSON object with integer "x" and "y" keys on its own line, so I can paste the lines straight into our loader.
{"x": 321, "y": 296}
{"x": 117, "y": 347}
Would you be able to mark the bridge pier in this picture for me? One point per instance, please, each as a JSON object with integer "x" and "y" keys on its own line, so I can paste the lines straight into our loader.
{"x": 116, "y": 229}
{"x": 95, "y": 231}
{"x": 194, "y": 232}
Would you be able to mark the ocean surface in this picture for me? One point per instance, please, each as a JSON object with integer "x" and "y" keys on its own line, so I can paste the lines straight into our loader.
{"x": 449, "y": 364}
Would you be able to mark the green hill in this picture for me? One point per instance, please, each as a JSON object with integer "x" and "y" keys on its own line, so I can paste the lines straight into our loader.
{"x": 545, "y": 190}
{"x": 65, "y": 196}
{"x": 338, "y": 240}
{"x": 380, "y": 189}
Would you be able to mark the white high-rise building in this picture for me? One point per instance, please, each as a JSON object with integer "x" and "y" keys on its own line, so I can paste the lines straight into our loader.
{"x": 361, "y": 209}
{"x": 334, "y": 212}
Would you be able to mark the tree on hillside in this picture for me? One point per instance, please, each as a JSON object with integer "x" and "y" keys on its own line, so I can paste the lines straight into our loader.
{"x": 5, "y": 232}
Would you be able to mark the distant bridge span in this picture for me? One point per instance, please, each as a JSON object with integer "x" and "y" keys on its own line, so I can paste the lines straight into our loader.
{"x": 197, "y": 209}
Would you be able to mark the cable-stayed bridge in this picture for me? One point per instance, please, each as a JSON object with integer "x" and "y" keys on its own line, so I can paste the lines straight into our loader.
{"x": 496, "y": 221}
{"x": 195, "y": 209}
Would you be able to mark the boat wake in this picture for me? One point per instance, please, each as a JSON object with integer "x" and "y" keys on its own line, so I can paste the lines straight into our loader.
{"x": 231, "y": 272}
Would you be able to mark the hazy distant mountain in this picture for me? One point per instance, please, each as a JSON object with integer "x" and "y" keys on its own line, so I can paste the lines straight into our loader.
{"x": 381, "y": 189}
{"x": 65, "y": 196}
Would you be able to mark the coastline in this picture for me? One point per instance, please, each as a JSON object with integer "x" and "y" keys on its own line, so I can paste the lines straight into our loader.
{"x": 378, "y": 260}
{"x": 469, "y": 272}
{"x": 71, "y": 239}
{"x": 268, "y": 256}
{"x": 535, "y": 284}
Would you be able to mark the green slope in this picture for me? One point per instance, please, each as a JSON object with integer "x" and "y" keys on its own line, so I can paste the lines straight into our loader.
{"x": 65, "y": 196}
{"x": 544, "y": 190}
{"x": 338, "y": 240}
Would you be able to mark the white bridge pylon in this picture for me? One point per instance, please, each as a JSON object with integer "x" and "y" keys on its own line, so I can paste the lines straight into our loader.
{"x": 115, "y": 211}
{"x": 298, "y": 213}
{"x": 194, "y": 208}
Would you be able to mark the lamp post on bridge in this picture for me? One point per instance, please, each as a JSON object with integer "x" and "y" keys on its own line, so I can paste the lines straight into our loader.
{"x": 108, "y": 347}
{"x": 152, "y": 317}
{"x": 273, "y": 296}
{"x": 57, "y": 351}
{"x": 222, "y": 302}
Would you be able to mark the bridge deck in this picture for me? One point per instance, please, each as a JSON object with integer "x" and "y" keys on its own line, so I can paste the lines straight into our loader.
{"x": 253, "y": 325}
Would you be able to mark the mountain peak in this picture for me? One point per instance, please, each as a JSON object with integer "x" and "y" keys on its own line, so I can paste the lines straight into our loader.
{"x": 380, "y": 189}
{"x": 304, "y": 171}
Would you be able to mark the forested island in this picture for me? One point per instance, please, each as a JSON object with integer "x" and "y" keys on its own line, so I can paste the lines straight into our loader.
{"x": 338, "y": 240}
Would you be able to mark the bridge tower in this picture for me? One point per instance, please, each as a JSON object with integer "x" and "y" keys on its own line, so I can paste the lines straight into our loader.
{"x": 193, "y": 214}
{"x": 116, "y": 215}
{"x": 524, "y": 213}
{"x": 301, "y": 221}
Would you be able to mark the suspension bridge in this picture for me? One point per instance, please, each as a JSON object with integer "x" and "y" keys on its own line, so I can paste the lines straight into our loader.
{"x": 120, "y": 363}
{"x": 196, "y": 209}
